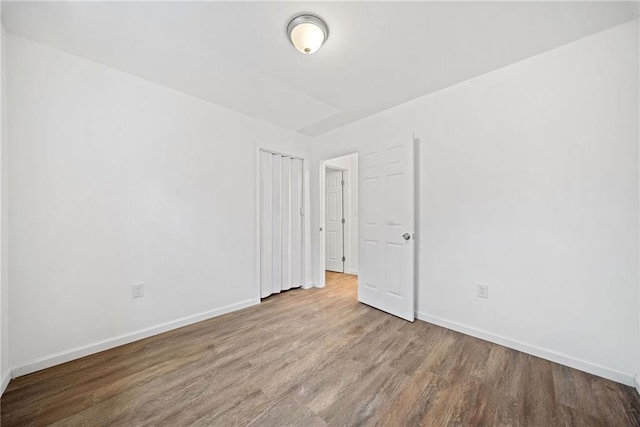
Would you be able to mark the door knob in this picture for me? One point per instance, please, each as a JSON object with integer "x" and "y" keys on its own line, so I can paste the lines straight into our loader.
{"x": 406, "y": 236}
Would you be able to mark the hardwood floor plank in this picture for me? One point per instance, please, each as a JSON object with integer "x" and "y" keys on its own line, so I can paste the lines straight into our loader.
{"x": 366, "y": 400}
{"x": 538, "y": 392}
{"x": 288, "y": 412}
{"x": 315, "y": 357}
{"x": 240, "y": 410}
{"x": 410, "y": 358}
{"x": 415, "y": 400}
{"x": 321, "y": 387}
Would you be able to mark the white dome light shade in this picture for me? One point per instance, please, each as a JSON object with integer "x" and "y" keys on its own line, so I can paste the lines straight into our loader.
{"x": 307, "y": 38}
{"x": 307, "y": 33}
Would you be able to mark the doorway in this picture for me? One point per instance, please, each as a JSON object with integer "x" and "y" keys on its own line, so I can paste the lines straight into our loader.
{"x": 339, "y": 214}
{"x": 386, "y": 190}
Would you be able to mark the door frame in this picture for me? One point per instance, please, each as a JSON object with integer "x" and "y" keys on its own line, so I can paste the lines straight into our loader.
{"x": 346, "y": 206}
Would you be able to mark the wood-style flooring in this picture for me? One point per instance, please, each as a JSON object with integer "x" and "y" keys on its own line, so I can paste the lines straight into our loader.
{"x": 313, "y": 358}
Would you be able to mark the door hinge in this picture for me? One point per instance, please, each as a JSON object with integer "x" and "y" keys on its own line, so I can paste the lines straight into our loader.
{"x": 301, "y": 211}
{"x": 342, "y": 183}
{"x": 343, "y": 259}
{"x": 343, "y": 221}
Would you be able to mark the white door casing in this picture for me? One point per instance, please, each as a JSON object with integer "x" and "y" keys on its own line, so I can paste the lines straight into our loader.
{"x": 334, "y": 214}
{"x": 386, "y": 240}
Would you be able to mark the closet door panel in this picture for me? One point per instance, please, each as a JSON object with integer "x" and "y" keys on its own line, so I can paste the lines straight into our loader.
{"x": 265, "y": 225}
{"x": 276, "y": 224}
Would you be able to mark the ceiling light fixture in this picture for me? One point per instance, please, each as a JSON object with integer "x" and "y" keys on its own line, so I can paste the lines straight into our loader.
{"x": 307, "y": 33}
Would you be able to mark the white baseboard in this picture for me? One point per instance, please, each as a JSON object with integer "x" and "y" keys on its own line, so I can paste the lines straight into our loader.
{"x": 354, "y": 272}
{"x": 78, "y": 352}
{"x": 553, "y": 356}
{"x": 6, "y": 377}
{"x": 637, "y": 383}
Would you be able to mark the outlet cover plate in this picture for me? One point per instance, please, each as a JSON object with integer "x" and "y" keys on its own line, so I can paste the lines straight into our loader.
{"x": 138, "y": 290}
{"x": 483, "y": 291}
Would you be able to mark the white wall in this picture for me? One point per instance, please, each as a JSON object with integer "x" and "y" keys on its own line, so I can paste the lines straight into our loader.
{"x": 115, "y": 180}
{"x": 529, "y": 183}
{"x": 349, "y": 163}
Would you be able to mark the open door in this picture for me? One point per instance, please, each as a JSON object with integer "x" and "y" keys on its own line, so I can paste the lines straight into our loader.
{"x": 386, "y": 240}
{"x": 334, "y": 221}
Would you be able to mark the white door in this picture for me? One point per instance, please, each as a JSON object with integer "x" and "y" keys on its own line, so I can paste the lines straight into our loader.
{"x": 281, "y": 223}
{"x": 334, "y": 222}
{"x": 386, "y": 241}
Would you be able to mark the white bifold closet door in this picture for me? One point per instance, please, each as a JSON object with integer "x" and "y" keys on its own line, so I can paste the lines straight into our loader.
{"x": 281, "y": 238}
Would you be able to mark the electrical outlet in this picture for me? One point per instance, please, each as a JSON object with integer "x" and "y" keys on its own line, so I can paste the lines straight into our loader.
{"x": 483, "y": 291}
{"x": 138, "y": 290}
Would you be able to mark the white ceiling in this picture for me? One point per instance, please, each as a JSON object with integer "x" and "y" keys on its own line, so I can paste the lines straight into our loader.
{"x": 378, "y": 55}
